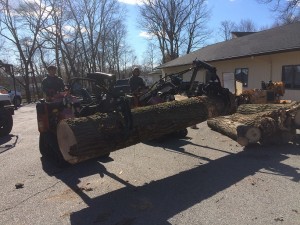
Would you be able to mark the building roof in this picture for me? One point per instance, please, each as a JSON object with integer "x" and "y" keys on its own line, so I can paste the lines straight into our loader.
{"x": 275, "y": 40}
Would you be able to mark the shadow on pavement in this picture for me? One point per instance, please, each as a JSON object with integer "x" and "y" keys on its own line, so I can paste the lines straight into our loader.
{"x": 158, "y": 201}
{"x": 8, "y": 142}
{"x": 177, "y": 145}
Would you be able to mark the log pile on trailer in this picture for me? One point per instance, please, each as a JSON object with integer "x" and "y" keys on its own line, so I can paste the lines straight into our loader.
{"x": 260, "y": 123}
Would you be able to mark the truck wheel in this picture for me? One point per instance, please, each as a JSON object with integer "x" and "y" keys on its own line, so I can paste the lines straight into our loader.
{"x": 50, "y": 151}
{"x": 17, "y": 101}
{"x": 6, "y": 122}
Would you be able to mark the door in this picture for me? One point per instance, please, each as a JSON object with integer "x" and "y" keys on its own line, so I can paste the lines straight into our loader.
{"x": 229, "y": 82}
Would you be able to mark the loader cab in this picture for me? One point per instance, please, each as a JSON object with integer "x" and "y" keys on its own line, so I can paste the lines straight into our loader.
{"x": 103, "y": 79}
{"x": 93, "y": 87}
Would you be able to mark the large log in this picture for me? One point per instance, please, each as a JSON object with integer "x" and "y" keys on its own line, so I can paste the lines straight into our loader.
{"x": 255, "y": 127}
{"x": 89, "y": 137}
{"x": 292, "y": 111}
{"x": 225, "y": 126}
{"x": 258, "y": 108}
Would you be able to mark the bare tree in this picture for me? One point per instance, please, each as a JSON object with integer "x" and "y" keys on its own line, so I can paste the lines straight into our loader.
{"x": 196, "y": 30}
{"x": 150, "y": 56}
{"x": 288, "y": 11}
{"x": 115, "y": 47}
{"x": 95, "y": 23}
{"x": 85, "y": 36}
{"x": 78, "y": 36}
{"x": 286, "y": 18}
{"x": 61, "y": 41}
{"x": 177, "y": 25}
{"x": 226, "y": 28}
{"x": 21, "y": 25}
{"x": 246, "y": 25}
{"x": 128, "y": 58}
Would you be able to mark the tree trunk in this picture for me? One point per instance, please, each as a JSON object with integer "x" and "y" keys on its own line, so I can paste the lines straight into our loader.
{"x": 89, "y": 137}
{"x": 224, "y": 125}
{"x": 257, "y": 108}
{"x": 264, "y": 123}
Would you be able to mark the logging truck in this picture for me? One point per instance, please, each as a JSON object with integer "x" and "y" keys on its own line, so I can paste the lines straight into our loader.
{"x": 92, "y": 119}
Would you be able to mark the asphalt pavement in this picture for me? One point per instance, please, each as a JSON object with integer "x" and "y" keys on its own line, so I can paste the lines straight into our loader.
{"x": 205, "y": 178}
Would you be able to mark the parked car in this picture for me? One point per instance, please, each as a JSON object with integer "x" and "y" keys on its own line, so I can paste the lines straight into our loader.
{"x": 15, "y": 96}
{"x": 6, "y": 112}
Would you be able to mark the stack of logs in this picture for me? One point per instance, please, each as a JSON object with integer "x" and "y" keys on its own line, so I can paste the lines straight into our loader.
{"x": 260, "y": 123}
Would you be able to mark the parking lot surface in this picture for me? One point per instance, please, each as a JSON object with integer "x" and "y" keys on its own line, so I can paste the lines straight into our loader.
{"x": 205, "y": 178}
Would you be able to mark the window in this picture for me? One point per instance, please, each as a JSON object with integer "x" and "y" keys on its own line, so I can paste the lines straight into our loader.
{"x": 291, "y": 76}
{"x": 241, "y": 74}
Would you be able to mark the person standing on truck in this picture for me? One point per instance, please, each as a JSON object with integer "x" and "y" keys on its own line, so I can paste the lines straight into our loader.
{"x": 135, "y": 81}
{"x": 52, "y": 84}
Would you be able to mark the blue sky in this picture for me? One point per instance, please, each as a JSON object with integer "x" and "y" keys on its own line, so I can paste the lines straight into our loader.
{"x": 233, "y": 10}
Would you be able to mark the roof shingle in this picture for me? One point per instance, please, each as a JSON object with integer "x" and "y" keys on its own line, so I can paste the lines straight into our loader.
{"x": 278, "y": 39}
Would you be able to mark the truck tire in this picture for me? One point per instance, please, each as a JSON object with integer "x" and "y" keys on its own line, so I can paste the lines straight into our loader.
{"x": 6, "y": 122}
{"x": 50, "y": 151}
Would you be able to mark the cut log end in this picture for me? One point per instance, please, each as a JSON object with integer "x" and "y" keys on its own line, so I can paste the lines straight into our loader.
{"x": 66, "y": 139}
{"x": 253, "y": 134}
{"x": 242, "y": 141}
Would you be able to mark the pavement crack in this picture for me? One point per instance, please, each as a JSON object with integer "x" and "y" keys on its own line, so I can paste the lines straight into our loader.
{"x": 26, "y": 199}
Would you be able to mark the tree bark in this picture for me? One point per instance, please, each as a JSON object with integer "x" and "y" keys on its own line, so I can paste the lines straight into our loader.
{"x": 292, "y": 110}
{"x": 264, "y": 123}
{"x": 89, "y": 137}
{"x": 257, "y": 108}
{"x": 224, "y": 125}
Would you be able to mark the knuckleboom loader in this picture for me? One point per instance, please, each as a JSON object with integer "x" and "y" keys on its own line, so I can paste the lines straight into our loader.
{"x": 84, "y": 96}
{"x": 96, "y": 94}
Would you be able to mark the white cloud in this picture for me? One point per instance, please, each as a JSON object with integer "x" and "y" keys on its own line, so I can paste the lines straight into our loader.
{"x": 69, "y": 28}
{"x": 132, "y": 2}
{"x": 145, "y": 34}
